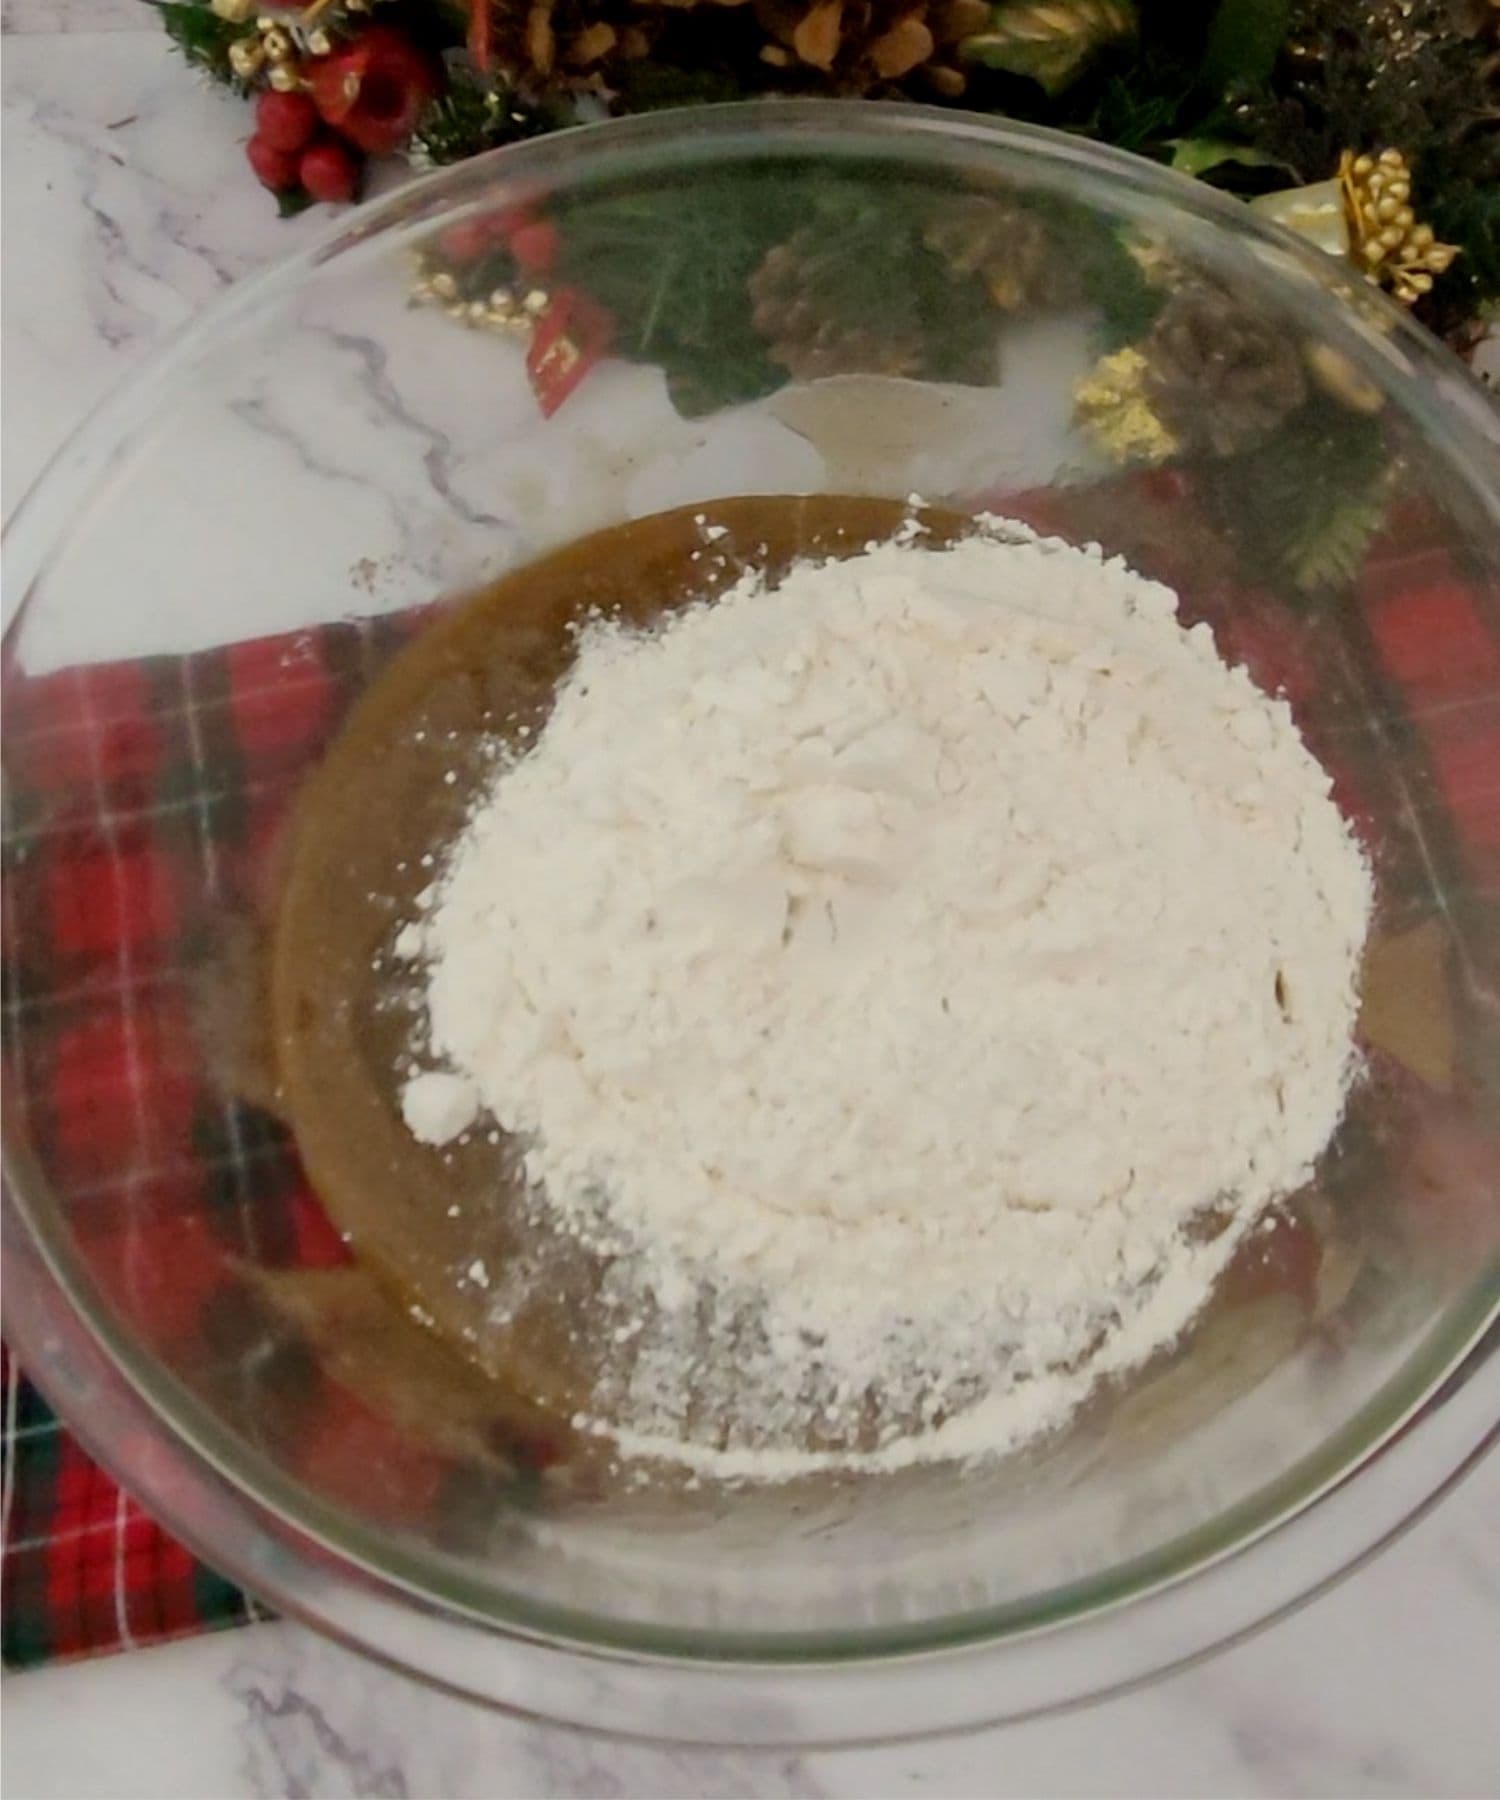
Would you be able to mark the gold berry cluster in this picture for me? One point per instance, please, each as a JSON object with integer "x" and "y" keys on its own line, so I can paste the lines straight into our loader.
{"x": 1385, "y": 237}
{"x": 280, "y": 40}
{"x": 501, "y": 310}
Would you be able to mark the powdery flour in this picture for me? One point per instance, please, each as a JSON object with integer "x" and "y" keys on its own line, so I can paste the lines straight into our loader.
{"x": 887, "y": 968}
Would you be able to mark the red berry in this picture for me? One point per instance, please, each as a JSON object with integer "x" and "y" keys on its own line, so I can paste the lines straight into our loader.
{"x": 373, "y": 89}
{"x": 285, "y": 121}
{"x": 275, "y": 169}
{"x": 506, "y": 221}
{"x": 464, "y": 242}
{"x": 329, "y": 172}
{"x": 534, "y": 246}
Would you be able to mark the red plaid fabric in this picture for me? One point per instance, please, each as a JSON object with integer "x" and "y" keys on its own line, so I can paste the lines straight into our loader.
{"x": 85, "y": 1568}
{"x": 139, "y": 797}
{"x": 143, "y": 802}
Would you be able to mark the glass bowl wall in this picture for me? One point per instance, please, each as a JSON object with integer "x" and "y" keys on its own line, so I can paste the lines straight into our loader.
{"x": 215, "y": 568}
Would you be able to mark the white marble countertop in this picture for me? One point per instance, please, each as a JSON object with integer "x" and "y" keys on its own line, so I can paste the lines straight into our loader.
{"x": 127, "y": 206}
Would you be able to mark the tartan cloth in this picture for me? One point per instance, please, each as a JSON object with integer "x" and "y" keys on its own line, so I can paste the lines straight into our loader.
{"x": 135, "y": 791}
{"x": 85, "y": 1568}
{"x": 141, "y": 794}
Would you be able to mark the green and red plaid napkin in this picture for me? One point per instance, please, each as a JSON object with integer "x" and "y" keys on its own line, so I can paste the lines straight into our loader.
{"x": 167, "y": 779}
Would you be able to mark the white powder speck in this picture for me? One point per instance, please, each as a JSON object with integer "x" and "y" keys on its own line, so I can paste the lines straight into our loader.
{"x": 437, "y": 1106}
{"x": 885, "y": 971}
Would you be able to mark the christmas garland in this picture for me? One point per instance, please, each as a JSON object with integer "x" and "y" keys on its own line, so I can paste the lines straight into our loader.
{"x": 1375, "y": 128}
{"x": 1250, "y": 95}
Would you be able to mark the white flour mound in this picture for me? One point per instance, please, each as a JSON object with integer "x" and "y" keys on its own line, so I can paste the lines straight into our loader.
{"x": 891, "y": 967}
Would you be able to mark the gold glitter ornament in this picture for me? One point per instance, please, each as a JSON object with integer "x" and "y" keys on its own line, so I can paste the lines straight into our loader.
{"x": 233, "y": 12}
{"x": 1112, "y": 409}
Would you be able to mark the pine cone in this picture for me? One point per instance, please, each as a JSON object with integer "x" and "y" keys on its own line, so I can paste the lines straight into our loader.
{"x": 1220, "y": 378}
{"x": 551, "y": 46}
{"x": 864, "y": 46}
{"x": 801, "y": 307}
{"x": 843, "y": 46}
{"x": 1008, "y": 247}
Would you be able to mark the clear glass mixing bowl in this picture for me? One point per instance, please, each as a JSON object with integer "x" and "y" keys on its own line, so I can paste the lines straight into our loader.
{"x": 213, "y": 570}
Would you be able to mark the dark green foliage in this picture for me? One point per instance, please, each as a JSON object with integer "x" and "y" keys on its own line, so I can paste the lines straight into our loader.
{"x": 1464, "y": 211}
{"x": 1328, "y": 550}
{"x": 1158, "y": 93}
{"x": 652, "y": 86}
{"x": 883, "y": 273}
{"x": 202, "y": 37}
{"x": 1303, "y": 506}
{"x": 1190, "y": 61}
{"x": 474, "y": 115}
{"x": 1343, "y": 83}
{"x": 1108, "y": 276}
{"x": 1243, "y": 44}
{"x": 675, "y": 268}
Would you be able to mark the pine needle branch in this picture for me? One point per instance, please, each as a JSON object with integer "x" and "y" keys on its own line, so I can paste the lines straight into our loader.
{"x": 202, "y": 37}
